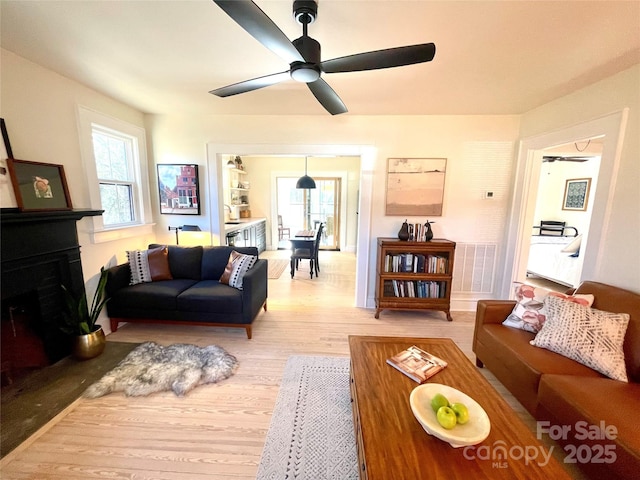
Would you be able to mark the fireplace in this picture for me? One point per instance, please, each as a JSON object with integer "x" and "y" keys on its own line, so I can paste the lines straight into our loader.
{"x": 40, "y": 252}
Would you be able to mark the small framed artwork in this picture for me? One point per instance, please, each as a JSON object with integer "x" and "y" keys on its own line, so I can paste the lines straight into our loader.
{"x": 39, "y": 186}
{"x": 6, "y": 152}
{"x": 179, "y": 191}
{"x": 7, "y": 197}
{"x": 576, "y": 194}
{"x": 415, "y": 186}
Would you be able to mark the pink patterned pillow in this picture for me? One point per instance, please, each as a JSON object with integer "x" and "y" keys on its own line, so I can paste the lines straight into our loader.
{"x": 529, "y": 314}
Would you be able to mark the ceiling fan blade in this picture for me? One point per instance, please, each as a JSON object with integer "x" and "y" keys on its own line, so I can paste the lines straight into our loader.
{"x": 249, "y": 85}
{"x": 550, "y": 158}
{"x": 390, "y": 57}
{"x": 327, "y": 97}
{"x": 250, "y": 17}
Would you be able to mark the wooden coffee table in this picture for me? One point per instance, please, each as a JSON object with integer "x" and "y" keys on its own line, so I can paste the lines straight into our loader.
{"x": 393, "y": 445}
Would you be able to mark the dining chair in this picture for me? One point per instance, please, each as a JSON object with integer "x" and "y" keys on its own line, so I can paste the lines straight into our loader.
{"x": 282, "y": 231}
{"x": 306, "y": 250}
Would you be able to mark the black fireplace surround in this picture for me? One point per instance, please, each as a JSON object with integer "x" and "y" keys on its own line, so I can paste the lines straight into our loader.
{"x": 40, "y": 252}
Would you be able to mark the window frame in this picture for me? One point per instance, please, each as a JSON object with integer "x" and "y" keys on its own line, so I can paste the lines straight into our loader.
{"x": 142, "y": 224}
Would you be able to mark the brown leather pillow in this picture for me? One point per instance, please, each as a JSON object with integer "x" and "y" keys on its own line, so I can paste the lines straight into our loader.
{"x": 159, "y": 263}
{"x": 226, "y": 275}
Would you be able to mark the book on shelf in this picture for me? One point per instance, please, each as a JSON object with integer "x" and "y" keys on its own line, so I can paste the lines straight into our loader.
{"x": 417, "y": 364}
{"x": 415, "y": 263}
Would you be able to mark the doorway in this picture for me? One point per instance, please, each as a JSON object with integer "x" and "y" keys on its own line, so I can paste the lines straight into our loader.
{"x": 554, "y": 253}
{"x": 302, "y": 209}
{"x": 610, "y": 129}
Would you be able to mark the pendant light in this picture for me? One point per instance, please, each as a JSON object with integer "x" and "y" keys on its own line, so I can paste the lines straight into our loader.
{"x": 305, "y": 181}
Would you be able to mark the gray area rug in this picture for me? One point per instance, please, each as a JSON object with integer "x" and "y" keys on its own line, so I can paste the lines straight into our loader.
{"x": 311, "y": 434}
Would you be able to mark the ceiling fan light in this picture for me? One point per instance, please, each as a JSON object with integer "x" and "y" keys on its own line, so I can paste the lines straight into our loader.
{"x": 305, "y": 73}
{"x": 306, "y": 182}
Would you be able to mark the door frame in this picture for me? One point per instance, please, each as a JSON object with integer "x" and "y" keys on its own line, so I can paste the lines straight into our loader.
{"x": 526, "y": 179}
{"x": 367, "y": 154}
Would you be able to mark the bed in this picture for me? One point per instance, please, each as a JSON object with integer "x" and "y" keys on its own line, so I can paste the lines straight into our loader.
{"x": 556, "y": 258}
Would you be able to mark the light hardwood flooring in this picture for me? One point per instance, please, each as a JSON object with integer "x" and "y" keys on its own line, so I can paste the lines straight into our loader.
{"x": 218, "y": 431}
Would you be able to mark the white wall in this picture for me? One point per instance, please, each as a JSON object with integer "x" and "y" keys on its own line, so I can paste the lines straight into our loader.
{"x": 479, "y": 149}
{"x": 619, "y": 257}
{"x": 553, "y": 178}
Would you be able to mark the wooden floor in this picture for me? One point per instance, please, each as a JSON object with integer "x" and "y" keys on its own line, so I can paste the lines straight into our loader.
{"x": 218, "y": 431}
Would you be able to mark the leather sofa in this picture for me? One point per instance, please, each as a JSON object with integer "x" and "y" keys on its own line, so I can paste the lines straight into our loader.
{"x": 566, "y": 394}
{"x": 194, "y": 295}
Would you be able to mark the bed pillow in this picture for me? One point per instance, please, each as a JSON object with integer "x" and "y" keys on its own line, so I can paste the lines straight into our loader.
{"x": 529, "y": 313}
{"x": 574, "y": 246}
{"x": 149, "y": 265}
{"x": 236, "y": 268}
{"x": 594, "y": 338}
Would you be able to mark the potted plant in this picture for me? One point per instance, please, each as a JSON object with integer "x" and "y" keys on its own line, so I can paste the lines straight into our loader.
{"x": 80, "y": 320}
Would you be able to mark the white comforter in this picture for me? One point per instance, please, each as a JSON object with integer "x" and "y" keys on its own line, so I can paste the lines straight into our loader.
{"x": 547, "y": 260}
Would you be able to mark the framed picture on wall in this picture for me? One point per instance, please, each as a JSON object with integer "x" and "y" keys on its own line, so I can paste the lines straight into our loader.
{"x": 179, "y": 190}
{"x": 39, "y": 186}
{"x": 415, "y": 186}
{"x": 576, "y": 194}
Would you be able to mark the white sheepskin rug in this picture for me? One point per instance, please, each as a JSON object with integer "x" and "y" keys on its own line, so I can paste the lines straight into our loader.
{"x": 153, "y": 368}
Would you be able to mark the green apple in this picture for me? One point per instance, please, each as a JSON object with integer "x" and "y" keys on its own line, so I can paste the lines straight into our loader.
{"x": 438, "y": 401}
{"x": 461, "y": 411}
{"x": 446, "y": 417}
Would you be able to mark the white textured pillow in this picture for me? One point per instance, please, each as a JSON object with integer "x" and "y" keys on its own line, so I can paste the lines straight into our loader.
{"x": 592, "y": 337}
{"x": 149, "y": 265}
{"x": 139, "y": 264}
{"x": 236, "y": 268}
{"x": 574, "y": 246}
{"x": 529, "y": 313}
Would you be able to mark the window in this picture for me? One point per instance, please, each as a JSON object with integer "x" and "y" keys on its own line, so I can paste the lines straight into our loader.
{"x": 113, "y": 153}
{"x": 115, "y": 162}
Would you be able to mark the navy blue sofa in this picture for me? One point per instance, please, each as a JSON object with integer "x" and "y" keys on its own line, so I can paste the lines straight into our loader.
{"x": 194, "y": 296}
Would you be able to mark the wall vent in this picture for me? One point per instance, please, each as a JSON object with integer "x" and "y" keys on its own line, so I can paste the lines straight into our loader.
{"x": 474, "y": 268}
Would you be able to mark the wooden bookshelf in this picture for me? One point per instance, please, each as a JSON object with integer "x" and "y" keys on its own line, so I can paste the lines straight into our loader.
{"x": 414, "y": 275}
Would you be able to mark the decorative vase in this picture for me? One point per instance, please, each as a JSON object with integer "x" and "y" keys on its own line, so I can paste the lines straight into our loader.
{"x": 428, "y": 234}
{"x": 89, "y": 345}
{"x": 403, "y": 234}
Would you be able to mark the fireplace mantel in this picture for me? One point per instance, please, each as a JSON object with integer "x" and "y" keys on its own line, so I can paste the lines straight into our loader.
{"x": 40, "y": 252}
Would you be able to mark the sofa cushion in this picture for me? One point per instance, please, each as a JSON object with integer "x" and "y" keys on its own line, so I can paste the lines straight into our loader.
{"x": 210, "y": 296}
{"x": 159, "y": 295}
{"x": 529, "y": 312}
{"x": 613, "y": 299}
{"x": 569, "y": 399}
{"x": 185, "y": 262}
{"x": 215, "y": 259}
{"x": 587, "y": 335}
{"x": 149, "y": 265}
{"x": 236, "y": 268}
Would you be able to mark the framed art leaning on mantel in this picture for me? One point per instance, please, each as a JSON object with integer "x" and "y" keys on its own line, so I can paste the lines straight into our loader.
{"x": 39, "y": 186}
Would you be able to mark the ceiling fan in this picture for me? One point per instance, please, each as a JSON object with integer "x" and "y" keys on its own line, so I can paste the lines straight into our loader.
{"x": 303, "y": 54}
{"x": 553, "y": 158}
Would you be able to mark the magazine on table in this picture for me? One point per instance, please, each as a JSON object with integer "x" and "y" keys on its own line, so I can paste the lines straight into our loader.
{"x": 417, "y": 364}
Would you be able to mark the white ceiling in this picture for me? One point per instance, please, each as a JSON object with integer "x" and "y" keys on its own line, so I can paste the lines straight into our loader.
{"x": 499, "y": 57}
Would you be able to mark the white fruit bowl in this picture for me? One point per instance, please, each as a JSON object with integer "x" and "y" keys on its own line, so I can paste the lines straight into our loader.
{"x": 471, "y": 433}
